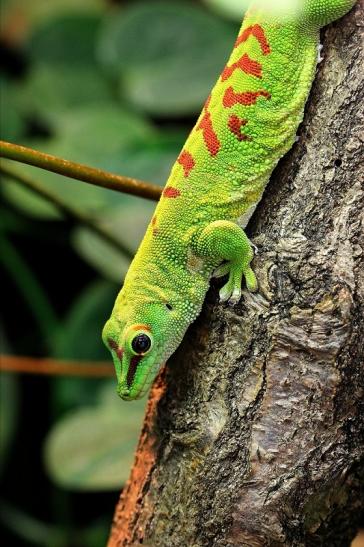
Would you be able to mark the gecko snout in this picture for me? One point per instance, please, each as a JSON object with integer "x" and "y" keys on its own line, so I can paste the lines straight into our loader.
{"x": 124, "y": 393}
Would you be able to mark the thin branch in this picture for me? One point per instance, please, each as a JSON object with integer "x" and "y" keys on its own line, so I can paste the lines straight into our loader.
{"x": 68, "y": 210}
{"x": 54, "y": 367}
{"x": 78, "y": 171}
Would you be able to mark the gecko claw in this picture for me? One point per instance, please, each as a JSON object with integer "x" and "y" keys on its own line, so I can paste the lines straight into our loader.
{"x": 223, "y": 296}
{"x": 235, "y": 297}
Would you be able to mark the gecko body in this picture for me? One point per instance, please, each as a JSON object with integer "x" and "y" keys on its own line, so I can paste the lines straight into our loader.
{"x": 247, "y": 124}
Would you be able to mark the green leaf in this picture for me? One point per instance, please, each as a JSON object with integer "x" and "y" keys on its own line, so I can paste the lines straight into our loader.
{"x": 12, "y": 125}
{"x": 131, "y": 219}
{"x": 79, "y": 336}
{"x": 104, "y": 258}
{"x": 167, "y": 55}
{"x": 99, "y": 129}
{"x": 27, "y": 201}
{"x": 93, "y": 448}
{"x": 51, "y": 90}
{"x": 65, "y": 40}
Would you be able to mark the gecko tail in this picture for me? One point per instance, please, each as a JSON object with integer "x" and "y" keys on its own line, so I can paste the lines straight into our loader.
{"x": 323, "y": 12}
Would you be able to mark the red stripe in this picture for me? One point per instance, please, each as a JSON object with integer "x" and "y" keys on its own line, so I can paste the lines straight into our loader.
{"x": 210, "y": 137}
{"x": 186, "y": 160}
{"x": 171, "y": 192}
{"x": 235, "y": 124}
{"x": 247, "y": 98}
{"x": 258, "y": 32}
{"x": 246, "y": 64}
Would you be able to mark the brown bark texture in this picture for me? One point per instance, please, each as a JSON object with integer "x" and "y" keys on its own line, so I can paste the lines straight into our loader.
{"x": 254, "y": 432}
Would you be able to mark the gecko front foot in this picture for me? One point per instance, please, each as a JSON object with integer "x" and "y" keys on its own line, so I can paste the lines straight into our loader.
{"x": 225, "y": 240}
{"x": 231, "y": 291}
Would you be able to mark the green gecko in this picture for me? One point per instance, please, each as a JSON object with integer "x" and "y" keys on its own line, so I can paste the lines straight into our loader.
{"x": 247, "y": 124}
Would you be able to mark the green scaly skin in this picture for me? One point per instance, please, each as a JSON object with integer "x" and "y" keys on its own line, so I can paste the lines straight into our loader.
{"x": 248, "y": 123}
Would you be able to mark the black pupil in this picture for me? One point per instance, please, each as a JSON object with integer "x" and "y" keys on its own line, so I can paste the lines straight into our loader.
{"x": 141, "y": 343}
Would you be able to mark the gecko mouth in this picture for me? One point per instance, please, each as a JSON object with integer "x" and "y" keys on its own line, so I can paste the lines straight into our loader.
{"x": 134, "y": 362}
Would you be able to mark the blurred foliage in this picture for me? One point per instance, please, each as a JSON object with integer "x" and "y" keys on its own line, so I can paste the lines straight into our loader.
{"x": 158, "y": 52}
{"x": 9, "y": 401}
{"x": 92, "y": 448}
{"x": 115, "y": 85}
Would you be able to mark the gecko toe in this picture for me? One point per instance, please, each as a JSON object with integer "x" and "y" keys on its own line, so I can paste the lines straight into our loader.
{"x": 251, "y": 280}
{"x": 224, "y": 295}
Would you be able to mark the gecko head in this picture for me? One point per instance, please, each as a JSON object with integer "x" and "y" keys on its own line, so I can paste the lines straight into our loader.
{"x": 140, "y": 344}
{"x": 134, "y": 360}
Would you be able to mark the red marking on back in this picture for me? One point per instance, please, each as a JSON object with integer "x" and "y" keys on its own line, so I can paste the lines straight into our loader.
{"x": 247, "y": 98}
{"x": 235, "y": 124}
{"x": 209, "y": 135}
{"x": 258, "y": 32}
{"x": 246, "y": 64}
{"x": 113, "y": 345}
{"x": 186, "y": 160}
{"x": 171, "y": 192}
{"x": 211, "y": 140}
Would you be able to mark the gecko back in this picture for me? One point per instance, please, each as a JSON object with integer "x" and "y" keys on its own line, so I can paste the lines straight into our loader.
{"x": 248, "y": 122}
{"x": 250, "y": 119}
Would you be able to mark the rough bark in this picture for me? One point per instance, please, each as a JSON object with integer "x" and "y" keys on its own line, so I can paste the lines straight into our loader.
{"x": 254, "y": 432}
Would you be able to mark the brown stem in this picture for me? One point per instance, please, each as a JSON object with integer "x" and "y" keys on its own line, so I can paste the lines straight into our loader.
{"x": 68, "y": 210}
{"x": 54, "y": 367}
{"x": 78, "y": 171}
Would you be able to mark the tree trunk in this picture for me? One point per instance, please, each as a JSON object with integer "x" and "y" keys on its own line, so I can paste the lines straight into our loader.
{"x": 254, "y": 432}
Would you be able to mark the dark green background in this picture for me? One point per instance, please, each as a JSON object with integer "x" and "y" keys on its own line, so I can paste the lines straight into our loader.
{"x": 115, "y": 85}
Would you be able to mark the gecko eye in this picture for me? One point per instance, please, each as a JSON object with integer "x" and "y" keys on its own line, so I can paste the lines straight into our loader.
{"x": 169, "y": 306}
{"x": 141, "y": 343}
